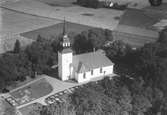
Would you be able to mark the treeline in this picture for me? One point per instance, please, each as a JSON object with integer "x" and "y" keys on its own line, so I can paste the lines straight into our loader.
{"x": 139, "y": 90}
{"x": 147, "y": 64}
{"x": 104, "y": 3}
{"x": 38, "y": 57}
{"x": 90, "y": 3}
{"x": 86, "y": 41}
{"x": 16, "y": 65}
{"x": 117, "y": 96}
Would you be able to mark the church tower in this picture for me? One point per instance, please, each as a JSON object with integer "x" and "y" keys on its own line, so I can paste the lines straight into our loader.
{"x": 65, "y": 57}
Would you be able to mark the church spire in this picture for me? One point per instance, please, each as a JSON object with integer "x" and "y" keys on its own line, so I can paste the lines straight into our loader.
{"x": 64, "y": 27}
{"x": 66, "y": 40}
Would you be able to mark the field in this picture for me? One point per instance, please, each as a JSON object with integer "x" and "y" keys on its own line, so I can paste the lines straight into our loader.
{"x": 13, "y": 23}
{"x": 32, "y": 91}
{"x": 54, "y": 30}
{"x": 103, "y": 18}
{"x": 55, "y": 10}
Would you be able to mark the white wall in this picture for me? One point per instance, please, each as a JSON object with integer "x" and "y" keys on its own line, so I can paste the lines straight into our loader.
{"x": 59, "y": 64}
{"x": 65, "y": 60}
{"x": 81, "y": 79}
{"x": 96, "y": 73}
{"x": 108, "y": 70}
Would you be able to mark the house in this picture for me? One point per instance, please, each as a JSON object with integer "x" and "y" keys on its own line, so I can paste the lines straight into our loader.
{"x": 82, "y": 67}
{"x": 136, "y": 28}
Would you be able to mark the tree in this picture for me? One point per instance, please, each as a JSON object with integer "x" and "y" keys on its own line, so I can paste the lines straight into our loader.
{"x": 108, "y": 34}
{"x": 117, "y": 50}
{"x": 41, "y": 55}
{"x": 98, "y": 37}
{"x": 86, "y": 100}
{"x": 163, "y": 36}
{"x": 17, "y": 46}
{"x": 89, "y": 3}
{"x": 155, "y": 2}
{"x": 148, "y": 65}
{"x": 82, "y": 44}
{"x": 124, "y": 99}
{"x": 140, "y": 104}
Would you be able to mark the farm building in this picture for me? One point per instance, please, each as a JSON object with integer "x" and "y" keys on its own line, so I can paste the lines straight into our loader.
{"x": 136, "y": 28}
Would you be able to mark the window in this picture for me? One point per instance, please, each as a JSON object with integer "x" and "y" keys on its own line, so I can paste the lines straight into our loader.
{"x": 101, "y": 70}
{"x": 84, "y": 75}
{"x": 91, "y": 72}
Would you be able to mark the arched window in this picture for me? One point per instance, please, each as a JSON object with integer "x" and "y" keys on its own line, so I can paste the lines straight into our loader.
{"x": 84, "y": 75}
{"x": 101, "y": 70}
{"x": 91, "y": 72}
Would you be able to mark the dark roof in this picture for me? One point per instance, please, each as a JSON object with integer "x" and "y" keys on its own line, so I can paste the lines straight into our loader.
{"x": 88, "y": 61}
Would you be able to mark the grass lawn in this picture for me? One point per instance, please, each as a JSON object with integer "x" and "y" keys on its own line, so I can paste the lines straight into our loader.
{"x": 48, "y": 32}
{"x": 33, "y": 91}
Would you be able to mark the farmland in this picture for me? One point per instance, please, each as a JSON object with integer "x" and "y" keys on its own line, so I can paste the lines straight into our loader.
{"x": 13, "y": 23}
{"x": 33, "y": 23}
{"x": 103, "y": 18}
{"x": 54, "y": 30}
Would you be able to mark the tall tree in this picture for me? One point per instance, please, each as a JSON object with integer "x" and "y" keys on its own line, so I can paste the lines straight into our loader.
{"x": 17, "y": 46}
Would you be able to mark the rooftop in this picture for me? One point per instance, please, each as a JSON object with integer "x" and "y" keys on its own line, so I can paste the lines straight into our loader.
{"x": 88, "y": 61}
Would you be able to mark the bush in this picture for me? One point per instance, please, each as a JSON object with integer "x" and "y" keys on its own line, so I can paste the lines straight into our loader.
{"x": 5, "y": 90}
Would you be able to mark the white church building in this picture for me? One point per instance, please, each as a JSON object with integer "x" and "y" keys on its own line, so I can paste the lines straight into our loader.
{"x": 82, "y": 67}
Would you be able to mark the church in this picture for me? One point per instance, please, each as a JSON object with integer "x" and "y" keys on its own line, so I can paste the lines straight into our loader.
{"x": 81, "y": 67}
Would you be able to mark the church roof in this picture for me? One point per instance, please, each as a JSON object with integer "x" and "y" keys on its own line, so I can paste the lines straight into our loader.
{"x": 88, "y": 61}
